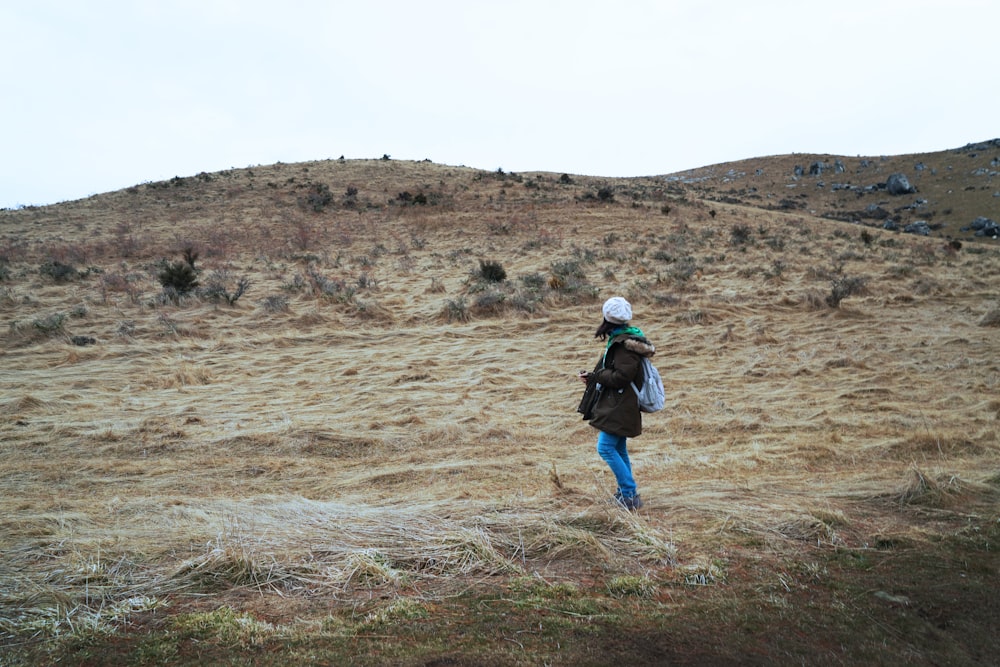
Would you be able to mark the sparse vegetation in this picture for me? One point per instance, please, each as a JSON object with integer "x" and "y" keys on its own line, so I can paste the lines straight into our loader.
{"x": 58, "y": 271}
{"x": 740, "y": 235}
{"x": 220, "y": 287}
{"x": 180, "y": 277}
{"x": 51, "y": 325}
{"x": 374, "y": 458}
{"x": 316, "y": 197}
{"x": 842, "y": 287}
{"x": 491, "y": 271}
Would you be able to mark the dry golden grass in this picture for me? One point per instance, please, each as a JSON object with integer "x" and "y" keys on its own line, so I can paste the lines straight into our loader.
{"x": 369, "y": 415}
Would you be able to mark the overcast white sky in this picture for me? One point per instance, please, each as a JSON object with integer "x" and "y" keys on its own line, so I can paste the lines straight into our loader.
{"x": 105, "y": 94}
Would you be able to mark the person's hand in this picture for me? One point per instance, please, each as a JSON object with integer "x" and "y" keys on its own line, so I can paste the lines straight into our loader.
{"x": 584, "y": 376}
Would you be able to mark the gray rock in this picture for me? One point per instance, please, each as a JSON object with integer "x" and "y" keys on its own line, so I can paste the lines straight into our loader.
{"x": 919, "y": 227}
{"x": 983, "y": 226}
{"x": 898, "y": 184}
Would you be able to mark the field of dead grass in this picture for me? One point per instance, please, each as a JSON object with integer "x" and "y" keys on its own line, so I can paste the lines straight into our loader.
{"x": 373, "y": 431}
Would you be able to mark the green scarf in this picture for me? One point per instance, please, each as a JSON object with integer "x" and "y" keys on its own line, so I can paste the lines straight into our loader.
{"x": 624, "y": 331}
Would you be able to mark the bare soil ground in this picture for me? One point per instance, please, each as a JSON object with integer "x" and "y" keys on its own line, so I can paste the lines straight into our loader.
{"x": 372, "y": 456}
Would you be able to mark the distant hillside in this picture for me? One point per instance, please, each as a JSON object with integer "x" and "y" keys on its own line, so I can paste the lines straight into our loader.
{"x": 949, "y": 191}
{"x": 952, "y": 188}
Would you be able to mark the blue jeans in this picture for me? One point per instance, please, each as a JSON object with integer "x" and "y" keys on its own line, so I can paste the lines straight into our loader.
{"x": 612, "y": 448}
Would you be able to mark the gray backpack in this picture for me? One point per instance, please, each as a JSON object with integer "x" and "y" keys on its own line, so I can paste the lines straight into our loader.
{"x": 651, "y": 394}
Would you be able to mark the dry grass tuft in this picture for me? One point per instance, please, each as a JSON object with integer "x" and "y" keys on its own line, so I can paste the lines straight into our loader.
{"x": 941, "y": 491}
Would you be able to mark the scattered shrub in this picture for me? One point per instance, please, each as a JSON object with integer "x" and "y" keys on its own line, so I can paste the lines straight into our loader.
{"x": 569, "y": 277}
{"x": 58, "y": 271}
{"x": 329, "y": 287}
{"x": 275, "y": 303}
{"x": 456, "y": 310}
{"x": 406, "y": 198}
{"x": 777, "y": 268}
{"x": 181, "y": 277}
{"x": 217, "y": 288}
{"x": 366, "y": 281}
{"x": 350, "y": 199}
{"x": 50, "y": 325}
{"x": 296, "y": 284}
{"x": 739, "y": 235}
{"x": 843, "y": 287}
{"x": 490, "y": 303}
{"x": 534, "y": 282}
{"x": 776, "y": 243}
{"x": 317, "y": 197}
{"x": 491, "y": 271}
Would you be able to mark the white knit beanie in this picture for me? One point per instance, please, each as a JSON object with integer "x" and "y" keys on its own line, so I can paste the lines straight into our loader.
{"x": 617, "y": 310}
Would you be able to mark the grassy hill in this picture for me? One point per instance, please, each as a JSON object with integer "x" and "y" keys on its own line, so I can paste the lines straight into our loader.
{"x": 354, "y": 438}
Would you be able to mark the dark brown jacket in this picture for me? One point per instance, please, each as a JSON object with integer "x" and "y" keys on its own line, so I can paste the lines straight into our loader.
{"x": 617, "y": 411}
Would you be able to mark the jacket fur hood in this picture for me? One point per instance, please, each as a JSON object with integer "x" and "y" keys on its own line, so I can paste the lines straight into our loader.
{"x": 640, "y": 346}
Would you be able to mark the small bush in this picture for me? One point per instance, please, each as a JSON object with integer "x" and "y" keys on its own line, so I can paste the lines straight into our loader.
{"x": 50, "y": 325}
{"x": 568, "y": 277}
{"x": 316, "y": 198}
{"x": 490, "y": 303}
{"x": 534, "y": 282}
{"x": 217, "y": 288}
{"x": 58, "y": 271}
{"x": 456, "y": 310}
{"x": 740, "y": 235}
{"x": 181, "y": 277}
{"x": 843, "y": 287}
{"x": 275, "y": 303}
{"x": 337, "y": 289}
{"x": 492, "y": 272}
{"x": 776, "y": 243}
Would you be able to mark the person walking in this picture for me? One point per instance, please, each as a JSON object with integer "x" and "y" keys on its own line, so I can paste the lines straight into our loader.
{"x": 616, "y": 413}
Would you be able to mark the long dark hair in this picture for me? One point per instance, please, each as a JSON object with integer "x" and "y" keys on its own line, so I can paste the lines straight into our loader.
{"x": 605, "y": 329}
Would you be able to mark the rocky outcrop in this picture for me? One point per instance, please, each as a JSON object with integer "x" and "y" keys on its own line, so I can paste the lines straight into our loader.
{"x": 899, "y": 184}
{"x": 983, "y": 226}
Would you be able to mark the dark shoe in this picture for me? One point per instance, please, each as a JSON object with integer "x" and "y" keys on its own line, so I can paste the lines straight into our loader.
{"x": 632, "y": 503}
